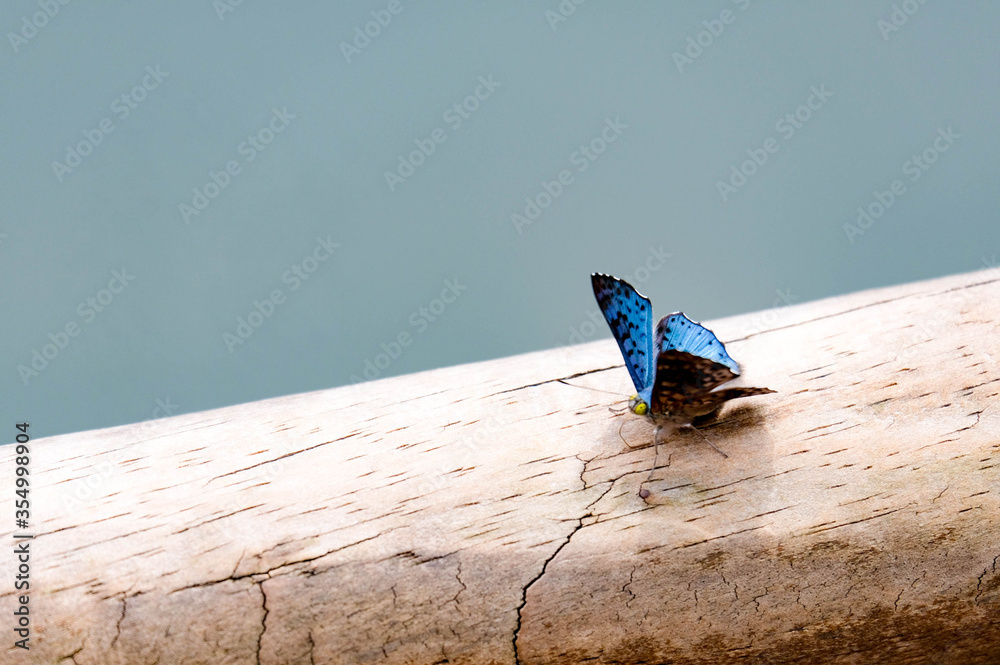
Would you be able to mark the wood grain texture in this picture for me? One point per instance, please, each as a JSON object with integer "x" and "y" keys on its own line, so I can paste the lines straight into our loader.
{"x": 489, "y": 513}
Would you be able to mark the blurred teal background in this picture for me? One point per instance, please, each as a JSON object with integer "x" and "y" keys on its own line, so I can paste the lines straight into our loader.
{"x": 209, "y": 203}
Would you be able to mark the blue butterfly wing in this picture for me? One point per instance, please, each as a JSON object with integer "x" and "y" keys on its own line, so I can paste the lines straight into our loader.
{"x": 690, "y": 363}
{"x": 630, "y": 316}
{"x": 679, "y": 333}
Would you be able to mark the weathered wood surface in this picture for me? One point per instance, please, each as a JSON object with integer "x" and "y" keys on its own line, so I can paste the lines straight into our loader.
{"x": 480, "y": 513}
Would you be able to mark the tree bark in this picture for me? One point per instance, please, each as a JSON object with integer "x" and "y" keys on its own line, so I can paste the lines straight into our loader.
{"x": 489, "y": 513}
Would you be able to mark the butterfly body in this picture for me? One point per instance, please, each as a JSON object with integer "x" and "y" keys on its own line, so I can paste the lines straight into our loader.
{"x": 676, "y": 366}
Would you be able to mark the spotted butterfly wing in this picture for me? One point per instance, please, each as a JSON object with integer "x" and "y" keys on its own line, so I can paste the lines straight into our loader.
{"x": 678, "y": 332}
{"x": 630, "y": 316}
{"x": 691, "y": 362}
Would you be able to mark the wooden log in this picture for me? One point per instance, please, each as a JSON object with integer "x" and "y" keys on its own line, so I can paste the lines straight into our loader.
{"x": 489, "y": 513}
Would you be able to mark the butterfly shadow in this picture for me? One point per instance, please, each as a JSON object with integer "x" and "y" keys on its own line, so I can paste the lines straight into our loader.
{"x": 732, "y": 421}
{"x": 723, "y": 427}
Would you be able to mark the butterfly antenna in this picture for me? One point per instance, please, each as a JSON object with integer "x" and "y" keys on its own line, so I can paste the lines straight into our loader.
{"x": 596, "y": 390}
{"x": 714, "y": 447}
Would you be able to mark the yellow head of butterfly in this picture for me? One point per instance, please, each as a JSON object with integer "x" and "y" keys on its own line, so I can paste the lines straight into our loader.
{"x": 638, "y": 406}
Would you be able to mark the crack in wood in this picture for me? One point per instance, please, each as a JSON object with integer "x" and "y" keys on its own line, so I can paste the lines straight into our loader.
{"x": 527, "y": 587}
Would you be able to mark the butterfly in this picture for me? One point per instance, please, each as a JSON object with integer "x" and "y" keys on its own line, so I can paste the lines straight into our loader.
{"x": 676, "y": 367}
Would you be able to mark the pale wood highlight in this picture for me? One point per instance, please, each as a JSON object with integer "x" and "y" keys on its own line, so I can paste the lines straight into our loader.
{"x": 452, "y": 515}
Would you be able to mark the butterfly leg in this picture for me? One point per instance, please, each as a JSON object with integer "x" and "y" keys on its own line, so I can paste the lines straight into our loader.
{"x": 622, "y": 437}
{"x": 643, "y": 492}
{"x": 707, "y": 441}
